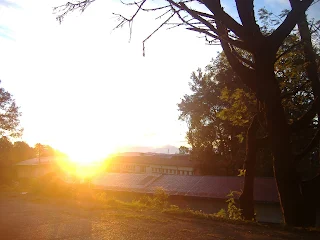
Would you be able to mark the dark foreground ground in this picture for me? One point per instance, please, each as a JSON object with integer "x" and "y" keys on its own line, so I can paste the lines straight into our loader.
{"x": 31, "y": 217}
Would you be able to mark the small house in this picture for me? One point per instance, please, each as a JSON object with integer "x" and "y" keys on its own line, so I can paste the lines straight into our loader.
{"x": 35, "y": 167}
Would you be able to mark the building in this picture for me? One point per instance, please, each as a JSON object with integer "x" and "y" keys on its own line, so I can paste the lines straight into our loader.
{"x": 169, "y": 164}
{"x": 36, "y": 167}
{"x": 206, "y": 193}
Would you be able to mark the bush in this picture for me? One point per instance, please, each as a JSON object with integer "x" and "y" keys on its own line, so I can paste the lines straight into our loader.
{"x": 50, "y": 185}
{"x": 158, "y": 200}
{"x": 221, "y": 214}
{"x": 234, "y": 212}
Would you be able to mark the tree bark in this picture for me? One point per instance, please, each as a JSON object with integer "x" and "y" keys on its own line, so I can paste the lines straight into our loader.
{"x": 287, "y": 178}
{"x": 246, "y": 199}
{"x": 312, "y": 73}
{"x": 311, "y": 193}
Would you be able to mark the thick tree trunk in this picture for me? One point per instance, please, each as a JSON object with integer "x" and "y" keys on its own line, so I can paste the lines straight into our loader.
{"x": 246, "y": 199}
{"x": 312, "y": 73}
{"x": 311, "y": 193}
{"x": 288, "y": 181}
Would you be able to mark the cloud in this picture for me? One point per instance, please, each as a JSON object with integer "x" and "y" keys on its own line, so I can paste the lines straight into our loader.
{"x": 9, "y": 4}
{"x": 7, "y": 8}
{"x": 277, "y": 3}
{"x": 6, "y": 33}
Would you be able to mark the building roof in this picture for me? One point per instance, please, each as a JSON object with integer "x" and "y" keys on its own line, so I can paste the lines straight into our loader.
{"x": 193, "y": 186}
{"x": 166, "y": 159}
{"x": 35, "y": 161}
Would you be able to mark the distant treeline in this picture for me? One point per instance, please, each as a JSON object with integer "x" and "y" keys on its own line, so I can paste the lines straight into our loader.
{"x": 12, "y": 153}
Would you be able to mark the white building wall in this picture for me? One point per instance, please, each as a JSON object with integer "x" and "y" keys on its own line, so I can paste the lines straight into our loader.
{"x": 152, "y": 168}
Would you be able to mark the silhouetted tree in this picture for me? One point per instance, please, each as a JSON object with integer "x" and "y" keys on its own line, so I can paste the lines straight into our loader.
{"x": 5, "y": 159}
{"x": 39, "y": 148}
{"x": 183, "y": 150}
{"x": 9, "y": 115}
{"x": 22, "y": 151}
{"x": 217, "y": 112}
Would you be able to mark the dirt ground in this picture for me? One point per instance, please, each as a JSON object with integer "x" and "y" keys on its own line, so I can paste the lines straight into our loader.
{"x": 31, "y": 217}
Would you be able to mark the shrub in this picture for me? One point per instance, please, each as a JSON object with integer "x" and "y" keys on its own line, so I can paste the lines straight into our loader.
{"x": 50, "y": 185}
{"x": 158, "y": 200}
{"x": 233, "y": 211}
{"x": 221, "y": 214}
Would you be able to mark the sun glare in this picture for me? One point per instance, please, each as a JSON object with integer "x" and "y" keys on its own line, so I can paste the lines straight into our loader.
{"x": 84, "y": 160}
{"x": 88, "y": 156}
{"x": 84, "y": 164}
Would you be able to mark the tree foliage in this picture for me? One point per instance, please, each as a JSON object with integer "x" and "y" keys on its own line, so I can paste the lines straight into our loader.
{"x": 9, "y": 115}
{"x": 184, "y": 150}
{"x": 12, "y": 153}
{"x": 215, "y": 137}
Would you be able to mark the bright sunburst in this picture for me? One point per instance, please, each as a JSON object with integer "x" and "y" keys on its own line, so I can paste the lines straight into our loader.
{"x": 85, "y": 160}
{"x": 89, "y": 153}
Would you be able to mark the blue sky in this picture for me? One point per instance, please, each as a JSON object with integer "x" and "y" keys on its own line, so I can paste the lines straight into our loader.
{"x": 82, "y": 86}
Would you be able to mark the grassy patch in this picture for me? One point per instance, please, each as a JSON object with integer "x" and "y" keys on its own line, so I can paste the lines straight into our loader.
{"x": 220, "y": 216}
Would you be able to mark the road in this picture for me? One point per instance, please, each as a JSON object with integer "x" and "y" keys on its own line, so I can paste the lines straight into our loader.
{"x": 25, "y": 217}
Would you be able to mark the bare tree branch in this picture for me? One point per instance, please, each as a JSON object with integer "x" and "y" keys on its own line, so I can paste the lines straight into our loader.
{"x": 157, "y": 29}
{"x": 124, "y": 20}
{"x": 246, "y": 13}
{"x": 210, "y": 26}
{"x": 215, "y": 7}
{"x": 64, "y": 9}
{"x": 246, "y": 74}
{"x": 278, "y": 36}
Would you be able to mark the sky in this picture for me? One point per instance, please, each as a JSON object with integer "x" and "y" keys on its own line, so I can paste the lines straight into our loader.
{"x": 86, "y": 89}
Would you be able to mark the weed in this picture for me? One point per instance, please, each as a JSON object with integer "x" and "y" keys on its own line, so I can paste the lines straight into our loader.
{"x": 221, "y": 214}
{"x": 234, "y": 212}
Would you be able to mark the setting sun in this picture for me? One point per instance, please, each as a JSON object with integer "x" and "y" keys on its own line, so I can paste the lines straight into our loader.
{"x": 88, "y": 154}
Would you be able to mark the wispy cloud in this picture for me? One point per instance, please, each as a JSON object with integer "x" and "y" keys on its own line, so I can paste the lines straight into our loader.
{"x": 9, "y": 4}
{"x": 277, "y": 3}
{"x": 6, "y": 33}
